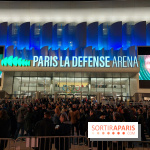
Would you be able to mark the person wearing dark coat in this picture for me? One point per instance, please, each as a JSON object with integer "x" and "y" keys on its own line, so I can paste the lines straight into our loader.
{"x": 141, "y": 121}
{"x": 82, "y": 122}
{"x": 45, "y": 127}
{"x": 36, "y": 115}
{"x": 13, "y": 120}
{"x": 29, "y": 117}
{"x": 5, "y": 126}
{"x": 62, "y": 130}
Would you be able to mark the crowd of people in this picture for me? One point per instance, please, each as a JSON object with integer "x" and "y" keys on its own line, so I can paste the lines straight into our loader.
{"x": 44, "y": 117}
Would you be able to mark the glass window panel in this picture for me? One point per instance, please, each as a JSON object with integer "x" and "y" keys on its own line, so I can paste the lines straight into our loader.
{"x": 85, "y": 85}
{"x": 33, "y": 82}
{"x": 25, "y": 82}
{"x": 63, "y": 85}
{"x": 16, "y": 85}
{"x": 56, "y": 84}
{"x": 78, "y": 85}
{"x": 33, "y": 74}
{"x": 47, "y": 84}
{"x": 25, "y": 74}
{"x": 41, "y": 74}
{"x": 108, "y": 87}
{"x": 70, "y": 74}
{"x": 125, "y": 86}
{"x": 41, "y": 82}
{"x": 116, "y": 86}
{"x": 32, "y": 89}
{"x": 86, "y": 74}
{"x": 71, "y": 85}
{"x": 93, "y": 84}
{"x": 40, "y": 89}
{"x": 100, "y": 85}
{"x": 18, "y": 74}
{"x": 63, "y": 74}
{"x": 78, "y": 75}
{"x": 49, "y": 74}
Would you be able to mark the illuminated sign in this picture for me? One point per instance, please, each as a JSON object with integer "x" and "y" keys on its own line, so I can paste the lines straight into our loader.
{"x": 83, "y": 61}
{"x": 10, "y": 61}
{"x": 144, "y": 73}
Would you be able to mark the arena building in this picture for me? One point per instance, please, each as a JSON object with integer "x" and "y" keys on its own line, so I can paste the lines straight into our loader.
{"x": 94, "y": 49}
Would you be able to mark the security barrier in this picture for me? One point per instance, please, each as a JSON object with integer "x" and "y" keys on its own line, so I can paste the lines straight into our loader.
{"x": 69, "y": 143}
{"x": 7, "y": 144}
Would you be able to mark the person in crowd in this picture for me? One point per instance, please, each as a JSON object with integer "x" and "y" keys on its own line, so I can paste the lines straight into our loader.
{"x": 20, "y": 120}
{"x": 82, "y": 121}
{"x": 12, "y": 115}
{"x": 102, "y": 117}
{"x": 56, "y": 116}
{"x": 5, "y": 127}
{"x": 126, "y": 114}
{"x": 63, "y": 129}
{"x": 29, "y": 124}
{"x": 45, "y": 127}
{"x": 74, "y": 117}
{"x": 36, "y": 114}
{"x": 43, "y": 110}
{"x": 141, "y": 121}
{"x": 148, "y": 124}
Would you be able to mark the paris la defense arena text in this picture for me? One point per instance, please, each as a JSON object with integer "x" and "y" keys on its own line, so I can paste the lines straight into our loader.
{"x": 81, "y": 61}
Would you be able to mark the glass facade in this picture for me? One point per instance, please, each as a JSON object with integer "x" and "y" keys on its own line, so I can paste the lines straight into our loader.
{"x": 49, "y": 83}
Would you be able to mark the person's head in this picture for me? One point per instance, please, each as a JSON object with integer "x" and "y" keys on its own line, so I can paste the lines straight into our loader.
{"x": 74, "y": 106}
{"x": 125, "y": 111}
{"x": 49, "y": 105}
{"x": 29, "y": 109}
{"x": 91, "y": 112}
{"x": 3, "y": 114}
{"x": 140, "y": 111}
{"x": 102, "y": 115}
{"x": 57, "y": 111}
{"x": 116, "y": 116}
{"x": 36, "y": 108}
{"x": 81, "y": 110}
{"x": 13, "y": 108}
{"x": 47, "y": 115}
{"x": 43, "y": 106}
{"x": 62, "y": 118}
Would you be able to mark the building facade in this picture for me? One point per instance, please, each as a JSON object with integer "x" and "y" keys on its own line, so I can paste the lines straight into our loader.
{"x": 75, "y": 49}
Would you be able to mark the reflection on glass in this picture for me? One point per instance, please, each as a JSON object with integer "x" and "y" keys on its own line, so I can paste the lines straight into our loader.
{"x": 125, "y": 86}
{"x": 16, "y": 86}
{"x": 85, "y": 84}
{"x": 56, "y": 84}
{"x": 108, "y": 87}
{"x": 116, "y": 87}
{"x": 100, "y": 85}
{"x": 93, "y": 84}
{"x": 70, "y": 87}
{"x": 78, "y": 85}
{"x": 111, "y": 87}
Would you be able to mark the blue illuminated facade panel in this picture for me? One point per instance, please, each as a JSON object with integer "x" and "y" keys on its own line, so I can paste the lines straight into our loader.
{"x": 26, "y": 40}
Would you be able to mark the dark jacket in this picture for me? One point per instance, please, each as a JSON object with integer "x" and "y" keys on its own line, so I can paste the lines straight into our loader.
{"x": 82, "y": 121}
{"x": 64, "y": 130}
{"x": 29, "y": 121}
{"x": 45, "y": 127}
{"x": 5, "y": 126}
{"x": 56, "y": 119}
